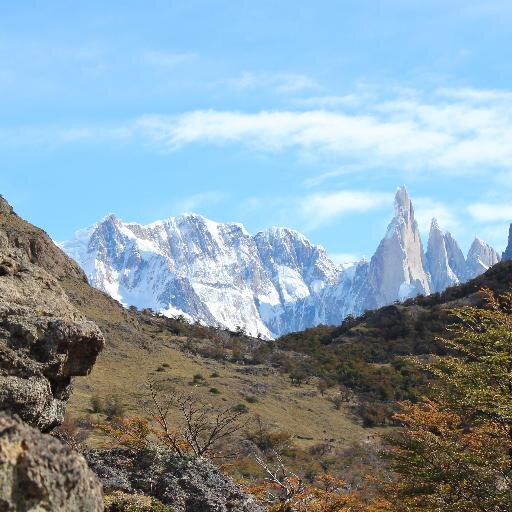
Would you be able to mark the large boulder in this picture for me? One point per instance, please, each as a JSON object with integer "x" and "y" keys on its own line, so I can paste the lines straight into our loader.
{"x": 187, "y": 485}
{"x": 39, "y": 473}
{"x": 44, "y": 341}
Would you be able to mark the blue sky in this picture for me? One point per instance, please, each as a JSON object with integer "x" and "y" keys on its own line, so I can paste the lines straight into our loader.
{"x": 298, "y": 113}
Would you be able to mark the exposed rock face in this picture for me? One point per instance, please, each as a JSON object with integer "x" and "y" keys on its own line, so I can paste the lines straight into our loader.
{"x": 444, "y": 259}
{"x": 39, "y": 473}
{"x": 44, "y": 340}
{"x": 185, "y": 485}
{"x": 481, "y": 256}
{"x": 507, "y": 255}
{"x": 397, "y": 268}
{"x": 456, "y": 259}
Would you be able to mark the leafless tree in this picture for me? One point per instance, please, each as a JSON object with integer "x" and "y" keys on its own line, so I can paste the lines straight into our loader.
{"x": 190, "y": 424}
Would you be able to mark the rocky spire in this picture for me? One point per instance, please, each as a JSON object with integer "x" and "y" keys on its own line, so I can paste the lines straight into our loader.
{"x": 481, "y": 256}
{"x": 507, "y": 255}
{"x": 397, "y": 267}
{"x": 444, "y": 259}
{"x": 436, "y": 259}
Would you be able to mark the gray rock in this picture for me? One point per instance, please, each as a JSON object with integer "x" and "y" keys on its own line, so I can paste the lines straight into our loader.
{"x": 184, "y": 484}
{"x": 44, "y": 340}
{"x": 39, "y": 473}
{"x": 438, "y": 259}
{"x": 507, "y": 255}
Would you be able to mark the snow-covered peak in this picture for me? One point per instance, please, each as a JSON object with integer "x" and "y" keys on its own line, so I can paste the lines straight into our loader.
{"x": 397, "y": 268}
{"x": 441, "y": 250}
{"x": 213, "y": 272}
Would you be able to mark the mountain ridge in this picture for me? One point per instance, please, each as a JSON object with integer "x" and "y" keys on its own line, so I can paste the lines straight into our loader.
{"x": 269, "y": 283}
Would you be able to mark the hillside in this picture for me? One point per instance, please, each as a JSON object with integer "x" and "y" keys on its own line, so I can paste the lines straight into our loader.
{"x": 317, "y": 389}
{"x": 366, "y": 353}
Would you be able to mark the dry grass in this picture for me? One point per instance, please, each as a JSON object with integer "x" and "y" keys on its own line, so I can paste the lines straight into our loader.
{"x": 301, "y": 411}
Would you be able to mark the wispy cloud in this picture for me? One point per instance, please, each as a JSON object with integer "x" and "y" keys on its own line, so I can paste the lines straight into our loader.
{"x": 344, "y": 258}
{"x": 195, "y": 202}
{"x": 426, "y": 209}
{"x": 491, "y": 212}
{"x": 461, "y": 131}
{"x": 280, "y": 82}
{"x": 452, "y": 133}
{"x": 321, "y": 208}
{"x": 317, "y": 131}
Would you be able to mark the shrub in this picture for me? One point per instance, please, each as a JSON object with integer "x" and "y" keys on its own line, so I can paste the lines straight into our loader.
{"x": 97, "y": 405}
{"x": 121, "y": 502}
{"x": 214, "y": 391}
{"x": 114, "y": 408}
{"x": 240, "y": 408}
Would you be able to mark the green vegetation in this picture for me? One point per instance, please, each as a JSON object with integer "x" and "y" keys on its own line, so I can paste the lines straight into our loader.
{"x": 454, "y": 452}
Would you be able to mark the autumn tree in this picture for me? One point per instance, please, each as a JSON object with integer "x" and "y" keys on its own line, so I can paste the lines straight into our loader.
{"x": 454, "y": 452}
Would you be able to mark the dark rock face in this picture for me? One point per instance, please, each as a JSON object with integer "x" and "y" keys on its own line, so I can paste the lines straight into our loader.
{"x": 185, "y": 485}
{"x": 44, "y": 340}
{"x": 507, "y": 255}
{"x": 37, "y": 472}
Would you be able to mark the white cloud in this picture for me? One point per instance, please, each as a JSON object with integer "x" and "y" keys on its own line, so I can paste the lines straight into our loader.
{"x": 194, "y": 202}
{"x": 318, "y": 130}
{"x": 491, "y": 212}
{"x": 456, "y": 130}
{"x": 321, "y": 208}
{"x": 476, "y": 95}
{"x": 461, "y": 131}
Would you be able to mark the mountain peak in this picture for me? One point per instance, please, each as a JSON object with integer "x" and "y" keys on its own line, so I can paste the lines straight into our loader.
{"x": 403, "y": 203}
{"x": 480, "y": 257}
{"x": 434, "y": 225}
{"x": 507, "y": 255}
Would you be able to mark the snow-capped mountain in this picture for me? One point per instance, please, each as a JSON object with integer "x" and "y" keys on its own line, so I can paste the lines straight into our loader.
{"x": 214, "y": 273}
{"x": 271, "y": 283}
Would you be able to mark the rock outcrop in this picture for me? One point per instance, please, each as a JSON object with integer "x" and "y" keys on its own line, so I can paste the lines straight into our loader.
{"x": 44, "y": 340}
{"x": 39, "y": 473}
{"x": 186, "y": 485}
{"x": 507, "y": 254}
